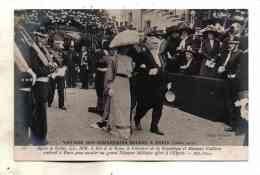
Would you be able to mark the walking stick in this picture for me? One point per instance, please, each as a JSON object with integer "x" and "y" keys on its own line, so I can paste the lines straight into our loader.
{"x": 131, "y": 126}
{"x": 132, "y": 103}
{"x": 65, "y": 87}
{"x": 65, "y": 91}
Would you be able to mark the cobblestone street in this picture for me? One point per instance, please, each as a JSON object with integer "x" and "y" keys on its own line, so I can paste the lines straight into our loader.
{"x": 180, "y": 128}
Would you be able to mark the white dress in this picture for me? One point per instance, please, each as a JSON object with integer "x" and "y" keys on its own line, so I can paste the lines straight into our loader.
{"x": 119, "y": 119}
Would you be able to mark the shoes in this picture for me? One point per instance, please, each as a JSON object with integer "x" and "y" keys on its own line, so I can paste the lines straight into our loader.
{"x": 63, "y": 108}
{"x": 138, "y": 125}
{"x": 99, "y": 125}
{"x": 156, "y": 131}
{"x": 239, "y": 131}
{"x": 228, "y": 129}
{"x": 36, "y": 141}
{"x": 95, "y": 110}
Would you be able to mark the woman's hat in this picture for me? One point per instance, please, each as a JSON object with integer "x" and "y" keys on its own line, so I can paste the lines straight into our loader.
{"x": 184, "y": 27}
{"x": 172, "y": 29}
{"x": 233, "y": 42}
{"x": 211, "y": 29}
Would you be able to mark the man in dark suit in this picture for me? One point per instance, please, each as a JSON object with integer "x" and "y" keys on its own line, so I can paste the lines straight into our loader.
{"x": 148, "y": 87}
{"x": 71, "y": 60}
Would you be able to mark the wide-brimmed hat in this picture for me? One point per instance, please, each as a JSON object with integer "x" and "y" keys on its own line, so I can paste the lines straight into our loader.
{"x": 235, "y": 41}
{"x": 238, "y": 19}
{"x": 184, "y": 27}
{"x": 211, "y": 29}
{"x": 171, "y": 29}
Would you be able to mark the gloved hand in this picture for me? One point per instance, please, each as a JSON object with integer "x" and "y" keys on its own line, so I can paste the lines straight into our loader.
{"x": 153, "y": 71}
{"x": 243, "y": 104}
{"x": 221, "y": 69}
{"x": 110, "y": 92}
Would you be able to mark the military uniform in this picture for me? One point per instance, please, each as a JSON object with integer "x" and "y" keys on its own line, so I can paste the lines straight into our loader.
{"x": 232, "y": 61}
{"x": 57, "y": 79}
{"x": 84, "y": 69}
{"x": 101, "y": 69}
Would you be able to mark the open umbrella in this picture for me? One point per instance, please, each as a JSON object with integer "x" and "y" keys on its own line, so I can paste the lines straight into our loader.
{"x": 125, "y": 38}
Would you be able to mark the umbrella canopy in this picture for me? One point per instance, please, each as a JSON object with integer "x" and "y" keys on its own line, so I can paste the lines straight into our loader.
{"x": 125, "y": 38}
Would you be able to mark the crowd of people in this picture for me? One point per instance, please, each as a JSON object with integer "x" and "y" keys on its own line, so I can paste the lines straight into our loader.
{"x": 58, "y": 50}
{"x": 71, "y": 46}
{"x": 218, "y": 50}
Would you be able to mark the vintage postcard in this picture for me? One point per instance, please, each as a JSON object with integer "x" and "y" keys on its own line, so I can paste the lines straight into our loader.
{"x": 131, "y": 84}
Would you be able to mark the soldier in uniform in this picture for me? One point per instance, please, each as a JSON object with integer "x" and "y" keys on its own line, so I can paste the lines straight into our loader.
{"x": 228, "y": 69}
{"x": 58, "y": 80}
{"x": 40, "y": 94}
{"x": 84, "y": 67}
{"x": 101, "y": 69}
{"x": 23, "y": 96}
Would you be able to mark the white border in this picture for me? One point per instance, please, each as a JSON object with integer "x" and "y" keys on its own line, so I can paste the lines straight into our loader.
{"x": 251, "y": 167}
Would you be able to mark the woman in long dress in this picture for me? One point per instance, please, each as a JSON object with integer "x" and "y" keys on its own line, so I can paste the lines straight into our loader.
{"x": 117, "y": 93}
{"x": 121, "y": 102}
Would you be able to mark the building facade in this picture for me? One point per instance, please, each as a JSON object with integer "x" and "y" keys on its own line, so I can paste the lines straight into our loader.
{"x": 143, "y": 20}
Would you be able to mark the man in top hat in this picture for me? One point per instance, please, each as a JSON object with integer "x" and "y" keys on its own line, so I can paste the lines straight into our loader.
{"x": 210, "y": 50}
{"x": 148, "y": 87}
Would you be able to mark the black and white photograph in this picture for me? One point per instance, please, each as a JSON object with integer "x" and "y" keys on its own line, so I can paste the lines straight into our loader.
{"x": 131, "y": 77}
